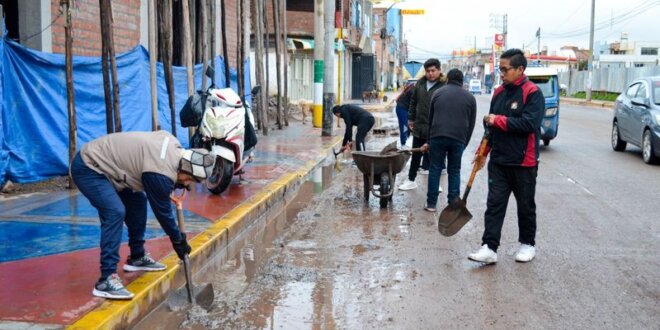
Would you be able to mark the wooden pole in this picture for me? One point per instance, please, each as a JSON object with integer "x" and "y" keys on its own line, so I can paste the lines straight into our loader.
{"x": 259, "y": 65}
{"x": 165, "y": 29}
{"x": 266, "y": 55}
{"x": 278, "y": 62}
{"x": 68, "y": 44}
{"x": 211, "y": 18}
{"x": 246, "y": 37}
{"x": 113, "y": 66}
{"x": 225, "y": 51}
{"x": 104, "y": 68}
{"x": 187, "y": 54}
{"x": 285, "y": 53}
{"x": 204, "y": 37}
{"x": 153, "y": 55}
{"x": 239, "y": 48}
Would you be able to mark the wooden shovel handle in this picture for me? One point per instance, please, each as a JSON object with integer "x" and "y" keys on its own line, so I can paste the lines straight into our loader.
{"x": 475, "y": 168}
{"x": 178, "y": 201}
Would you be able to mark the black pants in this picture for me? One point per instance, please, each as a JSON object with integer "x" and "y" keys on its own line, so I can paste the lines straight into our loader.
{"x": 363, "y": 128}
{"x": 417, "y": 157}
{"x": 502, "y": 180}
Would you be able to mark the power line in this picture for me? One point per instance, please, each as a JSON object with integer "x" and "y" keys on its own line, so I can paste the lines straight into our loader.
{"x": 22, "y": 40}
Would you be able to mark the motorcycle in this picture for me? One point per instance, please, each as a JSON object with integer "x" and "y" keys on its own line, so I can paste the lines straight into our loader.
{"x": 226, "y": 129}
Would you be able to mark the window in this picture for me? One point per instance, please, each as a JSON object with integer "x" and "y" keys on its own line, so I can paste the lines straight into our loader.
{"x": 649, "y": 51}
{"x": 545, "y": 84}
{"x": 641, "y": 92}
{"x": 300, "y": 5}
{"x": 632, "y": 90}
{"x": 656, "y": 92}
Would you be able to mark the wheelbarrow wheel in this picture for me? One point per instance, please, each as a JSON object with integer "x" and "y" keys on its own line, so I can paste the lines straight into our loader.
{"x": 384, "y": 189}
{"x": 367, "y": 189}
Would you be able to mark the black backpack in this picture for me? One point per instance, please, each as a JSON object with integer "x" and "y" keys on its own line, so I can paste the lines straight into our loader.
{"x": 192, "y": 111}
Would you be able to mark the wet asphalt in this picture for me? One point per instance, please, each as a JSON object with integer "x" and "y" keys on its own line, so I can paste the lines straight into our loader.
{"x": 330, "y": 261}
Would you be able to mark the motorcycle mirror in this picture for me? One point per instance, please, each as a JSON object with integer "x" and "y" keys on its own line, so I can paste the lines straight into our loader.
{"x": 255, "y": 89}
{"x": 210, "y": 71}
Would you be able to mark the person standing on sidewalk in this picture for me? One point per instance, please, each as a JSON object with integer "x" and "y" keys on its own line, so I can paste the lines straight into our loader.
{"x": 452, "y": 117}
{"x": 418, "y": 117}
{"x": 119, "y": 173}
{"x": 515, "y": 116}
{"x": 354, "y": 115}
{"x": 402, "y": 105}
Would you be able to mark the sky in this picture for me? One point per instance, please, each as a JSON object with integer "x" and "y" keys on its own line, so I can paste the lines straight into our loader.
{"x": 448, "y": 25}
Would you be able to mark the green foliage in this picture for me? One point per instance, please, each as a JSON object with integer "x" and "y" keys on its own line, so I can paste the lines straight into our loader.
{"x": 597, "y": 95}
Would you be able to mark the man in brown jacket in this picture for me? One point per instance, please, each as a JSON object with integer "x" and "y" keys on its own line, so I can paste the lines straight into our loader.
{"x": 119, "y": 173}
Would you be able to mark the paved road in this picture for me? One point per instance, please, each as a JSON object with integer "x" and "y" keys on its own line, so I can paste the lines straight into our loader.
{"x": 338, "y": 263}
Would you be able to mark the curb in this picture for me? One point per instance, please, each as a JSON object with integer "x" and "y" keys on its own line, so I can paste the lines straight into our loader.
{"x": 596, "y": 104}
{"x": 152, "y": 288}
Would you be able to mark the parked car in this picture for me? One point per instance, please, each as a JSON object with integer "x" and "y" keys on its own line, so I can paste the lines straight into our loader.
{"x": 474, "y": 86}
{"x": 637, "y": 118}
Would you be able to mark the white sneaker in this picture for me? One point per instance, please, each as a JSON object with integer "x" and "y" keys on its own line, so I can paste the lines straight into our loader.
{"x": 408, "y": 185}
{"x": 423, "y": 171}
{"x": 485, "y": 255}
{"x": 526, "y": 253}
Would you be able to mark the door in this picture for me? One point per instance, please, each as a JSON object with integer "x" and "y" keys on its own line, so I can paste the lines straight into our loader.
{"x": 625, "y": 115}
{"x": 363, "y": 74}
{"x": 637, "y": 115}
{"x": 301, "y": 77}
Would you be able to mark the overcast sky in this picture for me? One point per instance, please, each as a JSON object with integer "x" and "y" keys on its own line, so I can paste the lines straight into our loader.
{"x": 448, "y": 25}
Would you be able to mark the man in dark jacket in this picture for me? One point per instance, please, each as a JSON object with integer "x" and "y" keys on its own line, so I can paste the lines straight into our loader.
{"x": 515, "y": 115}
{"x": 452, "y": 117}
{"x": 418, "y": 117}
{"x": 354, "y": 115}
{"x": 119, "y": 173}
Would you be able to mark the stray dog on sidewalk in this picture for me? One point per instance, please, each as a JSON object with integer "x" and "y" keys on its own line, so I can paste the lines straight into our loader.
{"x": 305, "y": 107}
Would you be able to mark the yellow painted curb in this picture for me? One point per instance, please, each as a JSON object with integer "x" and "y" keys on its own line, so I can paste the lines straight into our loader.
{"x": 150, "y": 288}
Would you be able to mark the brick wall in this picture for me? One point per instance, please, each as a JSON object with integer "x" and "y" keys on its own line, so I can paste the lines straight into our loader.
{"x": 87, "y": 27}
{"x": 300, "y": 23}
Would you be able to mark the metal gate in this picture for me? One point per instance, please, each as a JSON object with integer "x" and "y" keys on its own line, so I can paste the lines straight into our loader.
{"x": 301, "y": 77}
{"x": 363, "y": 74}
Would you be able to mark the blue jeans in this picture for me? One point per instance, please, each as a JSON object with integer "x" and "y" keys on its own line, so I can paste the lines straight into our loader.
{"x": 452, "y": 150}
{"x": 114, "y": 209}
{"x": 402, "y": 115}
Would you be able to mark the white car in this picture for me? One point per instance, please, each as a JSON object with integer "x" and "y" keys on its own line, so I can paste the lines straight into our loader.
{"x": 474, "y": 86}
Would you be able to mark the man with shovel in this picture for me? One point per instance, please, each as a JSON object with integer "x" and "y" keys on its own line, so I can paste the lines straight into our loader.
{"x": 119, "y": 173}
{"x": 514, "y": 119}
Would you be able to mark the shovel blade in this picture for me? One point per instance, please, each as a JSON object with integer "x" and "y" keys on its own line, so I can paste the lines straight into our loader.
{"x": 203, "y": 294}
{"x": 453, "y": 218}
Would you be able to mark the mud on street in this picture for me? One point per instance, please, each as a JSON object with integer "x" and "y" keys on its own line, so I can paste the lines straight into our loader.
{"x": 330, "y": 261}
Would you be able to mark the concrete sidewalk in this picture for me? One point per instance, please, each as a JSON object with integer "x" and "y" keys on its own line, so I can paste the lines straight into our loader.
{"x": 49, "y": 255}
{"x": 592, "y": 103}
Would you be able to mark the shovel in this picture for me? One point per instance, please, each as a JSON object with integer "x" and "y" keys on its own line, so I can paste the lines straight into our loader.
{"x": 456, "y": 215}
{"x": 201, "y": 295}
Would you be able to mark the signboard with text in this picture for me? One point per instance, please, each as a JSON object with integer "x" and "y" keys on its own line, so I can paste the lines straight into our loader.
{"x": 412, "y": 11}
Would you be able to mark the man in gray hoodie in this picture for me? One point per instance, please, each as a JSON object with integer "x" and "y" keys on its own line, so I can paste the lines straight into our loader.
{"x": 452, "y": 118}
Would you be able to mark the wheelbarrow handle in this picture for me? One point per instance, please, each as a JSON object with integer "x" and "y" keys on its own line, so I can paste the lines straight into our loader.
{"x": 410, "y": 150}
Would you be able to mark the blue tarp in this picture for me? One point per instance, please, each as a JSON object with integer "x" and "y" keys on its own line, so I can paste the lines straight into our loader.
{"x": 34, "y": 132}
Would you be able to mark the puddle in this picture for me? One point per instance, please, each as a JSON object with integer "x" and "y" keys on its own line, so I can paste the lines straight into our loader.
{"x": 231, "y": 276}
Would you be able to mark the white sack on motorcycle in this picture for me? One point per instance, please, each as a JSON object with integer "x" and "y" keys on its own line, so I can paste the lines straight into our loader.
{"x": 198, "y": 163}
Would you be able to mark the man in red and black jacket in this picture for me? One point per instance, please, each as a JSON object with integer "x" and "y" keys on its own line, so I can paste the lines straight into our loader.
{"x": 515, "y": 115}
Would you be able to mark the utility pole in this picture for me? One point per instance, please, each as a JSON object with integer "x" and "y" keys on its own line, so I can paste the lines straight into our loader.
{"x": 187, "y": 57}
{"x": 317, "y": 114}
{"x": 68, "y": 44}
{"x": 538, "y": 45}
{"x": 285, "y": 53}
{"x": 278, "y": 62}
{"x": 259, "y": 65}
{"x": 590, "y": 61}
{"x": 328, "y": 75}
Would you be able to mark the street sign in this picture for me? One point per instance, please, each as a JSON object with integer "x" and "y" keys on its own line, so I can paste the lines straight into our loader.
{"x": 412, "y": 11}
{"x": 499, "y": 40}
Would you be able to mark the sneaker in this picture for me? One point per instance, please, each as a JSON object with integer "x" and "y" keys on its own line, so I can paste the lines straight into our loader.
{"x": 430, "y": 208}
{"x": 485, "y": 255}
{"x": 145, "y": 263}
{"x": 526, "y": 253}
{"x": 423, "y": 172}
{"x": 111, "y": 288}
{"x": 408, "y": 185}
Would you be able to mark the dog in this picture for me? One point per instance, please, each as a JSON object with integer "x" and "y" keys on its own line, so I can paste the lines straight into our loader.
{"x": 306, "y": 107}
{"x": 370, "y": 96}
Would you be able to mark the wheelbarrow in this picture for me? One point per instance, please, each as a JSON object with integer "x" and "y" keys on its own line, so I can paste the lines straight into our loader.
{"x": 381, "y": 168}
